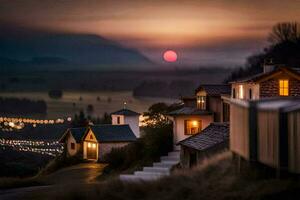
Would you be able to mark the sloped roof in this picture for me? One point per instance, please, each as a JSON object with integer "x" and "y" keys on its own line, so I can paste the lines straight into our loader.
{"x": 189, "y": 111}
{"x": 215, "y": 90}
{"x": 214, "y": 134}
{"x": 260, "y": 76}
{"x": 125, "y": 112}
{"x": 113, "y": 133}
{"x": 78, "y": 133}
{"x": 40, "y": 132}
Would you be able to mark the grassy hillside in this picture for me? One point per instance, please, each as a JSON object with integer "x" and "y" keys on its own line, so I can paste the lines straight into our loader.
{"x": 216, "y": 179}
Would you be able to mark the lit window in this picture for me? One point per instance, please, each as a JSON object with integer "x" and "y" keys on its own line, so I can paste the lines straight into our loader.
{"x": 89, "y": 145}
{"x": 192, "y": 127}
{"x": 284, "y": 87}
{"x": 241, "y": 91}
{"x": 94, "y": 146}
{"x": 201, "y": 102}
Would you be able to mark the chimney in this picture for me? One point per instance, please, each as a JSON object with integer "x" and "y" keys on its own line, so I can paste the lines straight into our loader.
{"x": 269, "y": 66}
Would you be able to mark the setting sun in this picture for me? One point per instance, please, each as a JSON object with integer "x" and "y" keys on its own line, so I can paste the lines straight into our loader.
{"x": 170, "y": 56}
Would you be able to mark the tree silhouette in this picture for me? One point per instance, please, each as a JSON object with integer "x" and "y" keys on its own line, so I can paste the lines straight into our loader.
{"x": 285, "y": 32}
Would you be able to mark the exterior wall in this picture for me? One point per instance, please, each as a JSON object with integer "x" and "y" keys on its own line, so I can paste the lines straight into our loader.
{"x": 71, "y": 152}
{"x": 115, "y": 119}
{"x": 186, "y": 152}
{"x": 247, "y": 86}
{"x": 239, "y": 130}
{"x": 178, "y": 126}
{"x": 88, "y": 139}
{"x": 214, "y": 104}
{"x": 270, "y": 88}
{"x": 105, "y": 148}
{"x": 133, "y": 122}
{"x": 294, "y": 141}
{"x": 268, "y": 138}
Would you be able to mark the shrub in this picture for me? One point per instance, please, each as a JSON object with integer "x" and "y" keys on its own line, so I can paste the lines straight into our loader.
{"x": 154, "y": 143}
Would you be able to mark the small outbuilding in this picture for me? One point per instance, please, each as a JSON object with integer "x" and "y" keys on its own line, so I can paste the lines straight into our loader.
{"x": 209, "y": 141}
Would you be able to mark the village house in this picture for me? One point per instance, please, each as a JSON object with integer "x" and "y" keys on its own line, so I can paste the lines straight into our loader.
{"x": 274, "y": 81}
{"x": 198, "y": 112}
{"x": 94, "y": 141}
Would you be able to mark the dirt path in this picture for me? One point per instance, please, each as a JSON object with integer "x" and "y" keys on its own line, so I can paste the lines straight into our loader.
{"x": 78, "y": 174}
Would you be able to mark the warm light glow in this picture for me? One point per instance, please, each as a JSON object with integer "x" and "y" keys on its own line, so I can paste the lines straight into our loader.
{"x": 284, "y": 87}
{"x": 170, "y": 56}
{"x": 195, "y": 123}
{"x": 89, "y": 145}
{"x": 241, "y": 91}
{"x": 94, "y": 146}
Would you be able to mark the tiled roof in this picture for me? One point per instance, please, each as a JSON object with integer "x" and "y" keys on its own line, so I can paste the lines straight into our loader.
{"x": 78, "y": 133}
{"x": 259, "y": 76}
{"x": 125, "y": 112}
{"x": 189, "y": 111}
{"x": 113, "y": 133}
{"x": 215, "y": 90}
{"x": 214, "y": 134}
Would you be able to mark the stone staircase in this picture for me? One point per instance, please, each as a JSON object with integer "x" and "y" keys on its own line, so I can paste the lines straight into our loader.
{"x": 158, "y": 170}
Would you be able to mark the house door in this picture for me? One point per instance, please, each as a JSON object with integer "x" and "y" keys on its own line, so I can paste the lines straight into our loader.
{"x": 193, "y": 159}
{"x": 91, "y": 152}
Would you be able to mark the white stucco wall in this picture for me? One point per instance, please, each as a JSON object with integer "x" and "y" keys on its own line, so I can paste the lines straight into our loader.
{"x": 178, "y": 126}
{"x": 246, "y": 87}
{"x": 133, "y": 122}
{"x": 70, "y": 139}
{"x": 115, "y": 119}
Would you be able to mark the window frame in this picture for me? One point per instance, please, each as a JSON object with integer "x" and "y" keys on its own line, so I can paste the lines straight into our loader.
{"x": 201, "y": 102}
{"x": 284, "y": 88}
{"x": 186, "y": 132}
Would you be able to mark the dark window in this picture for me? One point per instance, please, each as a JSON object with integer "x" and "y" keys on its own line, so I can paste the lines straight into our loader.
{"x": 233, "y": 93}
{"x": 72, "y": 145}
{"x": 250, "y": 93}
{"x": 118, "y": 120}
{"x": 91, "y": 137}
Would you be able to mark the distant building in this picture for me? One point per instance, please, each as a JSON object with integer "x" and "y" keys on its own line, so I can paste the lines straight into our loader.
{"x": 93, "y": 142}
{"x": 199, "y": 111}
{"x": 211, "y": 140}
{"x": 129, "y": 117}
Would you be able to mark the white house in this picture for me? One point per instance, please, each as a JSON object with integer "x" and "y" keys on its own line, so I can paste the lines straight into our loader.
{"x": 125, "y": 116}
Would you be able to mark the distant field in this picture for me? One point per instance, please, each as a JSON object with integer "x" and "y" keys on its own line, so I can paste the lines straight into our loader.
{"x": 70, "y": 103}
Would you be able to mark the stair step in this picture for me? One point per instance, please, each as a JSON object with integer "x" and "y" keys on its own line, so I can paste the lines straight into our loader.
{"x": 170, "y": 162}
{"x": 144, "y": 173}
{"x": 164, "y": 165}
{"x": 169, "y": 158}
{"x": 156, "y": 169}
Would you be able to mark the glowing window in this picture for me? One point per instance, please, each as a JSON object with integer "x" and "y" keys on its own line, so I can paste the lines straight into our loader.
{"x": 284, "y": 87}
{"x": 241, "y": 91}
{"x": 201, "y": 102}
{"x": 89, "y": 145}
{"x": 192, "y": 127}
{"x": 94, "y": 146}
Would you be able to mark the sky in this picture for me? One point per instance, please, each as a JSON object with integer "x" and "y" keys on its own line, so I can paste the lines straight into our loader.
{"x": 203, "y": 32}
